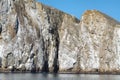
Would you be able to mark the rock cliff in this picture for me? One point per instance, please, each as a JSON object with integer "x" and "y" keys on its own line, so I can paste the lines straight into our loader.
{"x": 35, "y": 37}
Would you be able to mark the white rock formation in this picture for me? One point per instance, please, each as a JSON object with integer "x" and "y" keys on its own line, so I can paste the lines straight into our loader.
{"x": 35, "y": 37}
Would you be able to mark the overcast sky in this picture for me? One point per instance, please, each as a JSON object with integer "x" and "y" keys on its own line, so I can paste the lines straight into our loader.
{"x": 77, "y": 7}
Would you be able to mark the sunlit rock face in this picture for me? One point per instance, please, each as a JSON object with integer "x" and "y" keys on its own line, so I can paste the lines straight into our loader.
{"x": 35, "y": 37}
{"x": 99, "y": 46}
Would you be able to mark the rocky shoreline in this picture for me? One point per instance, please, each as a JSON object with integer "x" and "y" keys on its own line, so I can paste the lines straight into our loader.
{"x": 64, "y": 72}
{"x": 100, "y": 73}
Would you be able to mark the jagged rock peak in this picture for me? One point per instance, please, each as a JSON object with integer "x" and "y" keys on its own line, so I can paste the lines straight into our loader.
{"x": 100, "y": 14}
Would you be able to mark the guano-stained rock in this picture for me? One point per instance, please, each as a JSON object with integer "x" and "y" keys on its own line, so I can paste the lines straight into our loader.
{"x": 35, "y": 37}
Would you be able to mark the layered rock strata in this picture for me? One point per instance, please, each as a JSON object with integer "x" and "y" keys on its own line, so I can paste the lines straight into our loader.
{"x": 35, "y": 37}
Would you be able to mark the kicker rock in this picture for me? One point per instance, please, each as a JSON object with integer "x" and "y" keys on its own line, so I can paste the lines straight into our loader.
{"x": 30, "y": 35}
{"x": 35, "y": 37}
{"x": 100, "y": 39}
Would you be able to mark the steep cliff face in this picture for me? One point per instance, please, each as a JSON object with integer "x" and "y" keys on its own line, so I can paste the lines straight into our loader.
{"x": 99, "y": 48}
{"x": 35, "y": 37}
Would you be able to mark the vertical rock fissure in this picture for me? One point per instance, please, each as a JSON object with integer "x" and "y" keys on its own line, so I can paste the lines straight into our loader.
{"x": 45, "y": 56}
{"x": 56, "y": 62}
{"x": 56, "y": 25}
{"x": 33, "y": 70}
{"x": 16, "y": 25}
{"x": 0, "y": 28}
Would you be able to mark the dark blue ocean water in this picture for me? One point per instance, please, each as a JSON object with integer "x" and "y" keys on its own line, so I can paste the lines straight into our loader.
{"x": 46, "y": 76}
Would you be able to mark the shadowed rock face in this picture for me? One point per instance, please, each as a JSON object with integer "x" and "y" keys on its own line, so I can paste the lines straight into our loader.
{"x": 35, "y": 37}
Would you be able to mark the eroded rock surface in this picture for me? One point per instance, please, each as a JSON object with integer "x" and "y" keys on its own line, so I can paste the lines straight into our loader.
{"x": 35, "y": 37}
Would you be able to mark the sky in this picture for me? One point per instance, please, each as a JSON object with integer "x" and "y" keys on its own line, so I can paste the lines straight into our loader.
{"x": 78, "y": 7}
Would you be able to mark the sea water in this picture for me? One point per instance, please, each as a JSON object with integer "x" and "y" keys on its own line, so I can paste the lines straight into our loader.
{"x": 47, "y": 76}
